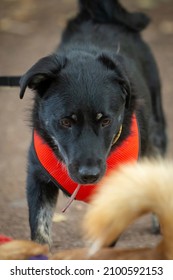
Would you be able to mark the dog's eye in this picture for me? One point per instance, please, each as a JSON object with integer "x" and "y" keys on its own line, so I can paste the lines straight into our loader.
{"x": 105, "y": 122}
{"x": 66, "y": 122}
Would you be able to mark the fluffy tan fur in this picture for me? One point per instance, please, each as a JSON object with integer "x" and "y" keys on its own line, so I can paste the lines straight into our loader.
{"x": 21, "y": 250}
{"x": 126, "y": 194}
{"x": 122, "y": 197}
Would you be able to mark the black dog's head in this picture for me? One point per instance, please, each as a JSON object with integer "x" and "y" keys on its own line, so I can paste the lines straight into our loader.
{"x": 80, "y": 103}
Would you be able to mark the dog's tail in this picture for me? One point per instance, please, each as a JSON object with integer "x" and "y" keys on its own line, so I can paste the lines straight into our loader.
{"x": 127, "y": 194}
{"x": 111, "y": 11}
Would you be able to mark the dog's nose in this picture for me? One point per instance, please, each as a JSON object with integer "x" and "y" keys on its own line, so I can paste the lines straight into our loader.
{"x": 89, "y": 175}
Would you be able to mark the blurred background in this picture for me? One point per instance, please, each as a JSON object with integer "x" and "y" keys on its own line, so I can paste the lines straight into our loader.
{"x": 30, "y": 29}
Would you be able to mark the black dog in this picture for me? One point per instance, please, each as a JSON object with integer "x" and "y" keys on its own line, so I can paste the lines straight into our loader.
{"x": 86, "y": 95}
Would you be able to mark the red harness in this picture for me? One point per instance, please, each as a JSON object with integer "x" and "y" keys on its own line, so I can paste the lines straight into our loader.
{"x": 127, "y": 151}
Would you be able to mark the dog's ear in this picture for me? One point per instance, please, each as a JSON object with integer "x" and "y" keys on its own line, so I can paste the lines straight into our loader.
{"x": 114, "y": 64}
{"x": 126, "y": 89}
{"x": 41, "y": 74}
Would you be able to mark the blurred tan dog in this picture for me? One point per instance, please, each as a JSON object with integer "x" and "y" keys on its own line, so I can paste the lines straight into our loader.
{"x": 22, "y": 250}
{"x": 126, "y": 194}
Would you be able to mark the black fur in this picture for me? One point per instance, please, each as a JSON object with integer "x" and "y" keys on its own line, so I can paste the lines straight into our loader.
{"x": 99, "y": 76}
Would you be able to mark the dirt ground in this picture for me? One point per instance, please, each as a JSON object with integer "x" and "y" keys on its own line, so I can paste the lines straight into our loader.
{"x": 28, "y": 31}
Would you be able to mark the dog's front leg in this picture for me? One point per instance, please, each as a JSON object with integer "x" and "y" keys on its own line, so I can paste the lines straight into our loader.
{"x": 42, "y": 197}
